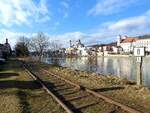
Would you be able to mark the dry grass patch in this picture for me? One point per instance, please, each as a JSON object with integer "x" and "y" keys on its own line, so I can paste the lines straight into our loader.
{"x": 121, "y": 90}
{"x": 19, "y": 93}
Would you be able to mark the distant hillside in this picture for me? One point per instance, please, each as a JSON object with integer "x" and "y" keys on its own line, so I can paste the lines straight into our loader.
{"x": 144, "y": 36}
{"x": 98, "y": 45}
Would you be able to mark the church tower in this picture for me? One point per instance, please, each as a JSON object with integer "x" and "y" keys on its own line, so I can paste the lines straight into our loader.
{"x": 6, "y": 41}
{"x": 7, "y": 47}
{"x": 119, "y": 40}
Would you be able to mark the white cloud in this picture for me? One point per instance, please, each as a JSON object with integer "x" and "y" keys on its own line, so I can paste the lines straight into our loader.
{"x": 107, "y": 32}
{"x": 65, "y": 4}
{"x": 86, "y": 38}
{"x": 107, "y": 7}
{"x": 133, "y": 25}
{"x": 65, "y": 8}
{"x": 22, "y": 12}
{"x": 64, "y": 38}
{"x": 42, "y": 7}
{"x": 12, "y": 36}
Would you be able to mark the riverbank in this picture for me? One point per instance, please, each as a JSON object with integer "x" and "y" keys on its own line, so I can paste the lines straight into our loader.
{"x": 119, "y": 55}
{"x": 108, "y": 55}
{"x": 19, "y": 93}
{"x": 120, "y": 90}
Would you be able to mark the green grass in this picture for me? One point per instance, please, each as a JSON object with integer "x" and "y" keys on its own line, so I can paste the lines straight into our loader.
{"x": 19, "y": 93}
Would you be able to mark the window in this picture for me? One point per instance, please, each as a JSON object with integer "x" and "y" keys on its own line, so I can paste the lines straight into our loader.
{"x": 138, "y": 51}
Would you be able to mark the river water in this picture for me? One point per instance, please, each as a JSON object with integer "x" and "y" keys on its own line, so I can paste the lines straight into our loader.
{"x": 116, "y": 66}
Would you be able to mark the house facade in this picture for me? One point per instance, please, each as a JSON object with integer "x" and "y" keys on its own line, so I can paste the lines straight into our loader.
{"x": 128, "y": 43}
{"x": 144, "y": 42}
{"x": 5, "y": 50}
{"x": 77, "y": 49}
{"x": 82, "y": 51}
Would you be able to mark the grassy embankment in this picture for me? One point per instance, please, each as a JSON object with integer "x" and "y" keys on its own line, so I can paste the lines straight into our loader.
{"x": 121, "y": 90}
{"x": 19, "y": 93}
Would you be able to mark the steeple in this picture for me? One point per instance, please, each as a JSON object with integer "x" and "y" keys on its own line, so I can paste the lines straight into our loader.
{"x": 79, "y": 41}
{"x": 70, "y": 43}
{"x": 6, "y": 41}
{"x": 119, "y": 38}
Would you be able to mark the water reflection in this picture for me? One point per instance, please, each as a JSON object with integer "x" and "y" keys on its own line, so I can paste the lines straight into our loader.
{"x": 145, "y": 72}
{"x": 121, "y": 67}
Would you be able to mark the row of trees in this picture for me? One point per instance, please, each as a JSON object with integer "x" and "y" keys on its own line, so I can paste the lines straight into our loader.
{"x": 37, "y": 44}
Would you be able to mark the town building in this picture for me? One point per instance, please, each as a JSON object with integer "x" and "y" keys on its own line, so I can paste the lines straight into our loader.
{"x": 143, "y": 42}
{"x": 128, "y": 43}
{"x": 5, "y": 50}
{"x": 71, "y": 51}
{"x": 92, "y": 50}
{"x": 124, "y": 45}
{"x": 110, "y": 48}
{"x": 77, "y": 49}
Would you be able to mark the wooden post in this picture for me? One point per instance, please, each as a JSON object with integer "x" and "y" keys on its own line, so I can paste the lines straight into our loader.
{"x": 139, "y": 70}
{"x": 139, "y": 52}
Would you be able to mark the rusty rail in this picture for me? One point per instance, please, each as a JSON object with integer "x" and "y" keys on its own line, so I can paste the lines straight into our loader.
{"x": 48, "y": 91}
{"x": 124, "y": 107}
{"x": 68, "y": 81}
{"x": 107, "y": 99}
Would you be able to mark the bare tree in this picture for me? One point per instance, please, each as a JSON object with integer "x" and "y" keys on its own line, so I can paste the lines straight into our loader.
{"x": 39, "y": 44}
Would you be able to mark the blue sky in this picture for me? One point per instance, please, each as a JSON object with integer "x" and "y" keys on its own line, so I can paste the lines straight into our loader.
{"x": 92, "y": 21}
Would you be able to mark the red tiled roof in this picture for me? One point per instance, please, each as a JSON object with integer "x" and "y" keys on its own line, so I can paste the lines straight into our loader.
{"x": 128, "y": 40}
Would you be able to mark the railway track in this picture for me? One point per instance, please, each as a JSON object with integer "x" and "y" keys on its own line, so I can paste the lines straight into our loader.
{"x": 74, "y": 98}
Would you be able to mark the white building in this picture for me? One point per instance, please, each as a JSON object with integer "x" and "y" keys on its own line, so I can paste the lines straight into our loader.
{"x": 128, "y": 43}
{"x": 77, "y": 49}
{"x": 115, "y": 49}
{"x": 82, "y": 51}
{"x": 144, "y": 42}
{"x": 100, "y": 51}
